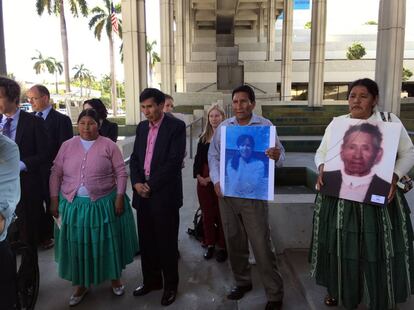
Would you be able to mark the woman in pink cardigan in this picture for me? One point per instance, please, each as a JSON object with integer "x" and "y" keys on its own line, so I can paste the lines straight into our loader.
{"x": 97, "y": 236}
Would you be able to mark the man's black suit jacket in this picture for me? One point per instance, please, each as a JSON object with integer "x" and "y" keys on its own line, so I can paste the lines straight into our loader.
{"x": 333, "y": 180}
{"x": 32, "y": 140}
{"x": 109, "y": 129}
{"x": 59, "y": 129}
{"x": 165, "y": 179}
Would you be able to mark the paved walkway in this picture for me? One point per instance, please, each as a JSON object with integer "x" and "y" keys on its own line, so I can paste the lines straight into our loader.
{"x": 203, "y": 284}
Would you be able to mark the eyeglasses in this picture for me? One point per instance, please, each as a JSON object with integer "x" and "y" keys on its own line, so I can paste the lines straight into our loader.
{"x": 34, "y": 98}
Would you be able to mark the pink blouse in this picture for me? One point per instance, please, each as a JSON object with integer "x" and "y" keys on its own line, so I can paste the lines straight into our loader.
{"x": 100, "y": 169}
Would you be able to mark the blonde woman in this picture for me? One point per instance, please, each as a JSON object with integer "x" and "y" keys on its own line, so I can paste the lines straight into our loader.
{"x": 213, "y": 231}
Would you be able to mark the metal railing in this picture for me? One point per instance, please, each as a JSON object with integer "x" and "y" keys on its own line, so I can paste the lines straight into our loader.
{"x": 191, "y": 125}
{"x": 205, "y": 87}
{"x": 256, "y": 88}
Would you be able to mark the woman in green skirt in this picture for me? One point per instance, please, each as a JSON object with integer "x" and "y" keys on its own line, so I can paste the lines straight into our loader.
{"x": 362, "y": 252}
{"x": 95, "y": 233}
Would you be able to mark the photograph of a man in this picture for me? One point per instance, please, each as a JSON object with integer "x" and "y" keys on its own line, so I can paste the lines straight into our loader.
{"x": 247, "y": 166}
{"x": 362, "y": 158}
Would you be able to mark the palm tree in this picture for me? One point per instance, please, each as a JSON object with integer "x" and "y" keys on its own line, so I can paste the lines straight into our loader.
{"x": 101, "y": 20}
{"x": 58, "y": 70}
{"x": 57, "y": 7}
{"x": 82, "y": 74}
{"x": 49, "y": 64}
{"x": 43, "y": 64}
{"x": 153, "y": 57}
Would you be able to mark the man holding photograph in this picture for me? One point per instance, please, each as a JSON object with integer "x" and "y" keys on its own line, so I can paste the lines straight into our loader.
{"x": 247, "y": 219}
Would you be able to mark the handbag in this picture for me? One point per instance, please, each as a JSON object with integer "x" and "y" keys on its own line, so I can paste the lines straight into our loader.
{"x": 405, "y": 183}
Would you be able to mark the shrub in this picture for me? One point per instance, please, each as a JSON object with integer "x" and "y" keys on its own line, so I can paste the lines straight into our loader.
{"x": 355, "y": 51}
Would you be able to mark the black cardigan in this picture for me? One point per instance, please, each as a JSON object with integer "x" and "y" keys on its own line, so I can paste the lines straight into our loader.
{"x": 109, "y": 130}
{"x": 201, "y": 157}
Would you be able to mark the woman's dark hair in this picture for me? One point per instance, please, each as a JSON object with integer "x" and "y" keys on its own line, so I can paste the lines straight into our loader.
{"x": 240, "y": 140}
{"x": 91, "y": 113}
{"x": 156, "y": 94}
{"x": 98, "y": 106}
{"x": 11, "y": 89}
{"x": 369, "y": 84}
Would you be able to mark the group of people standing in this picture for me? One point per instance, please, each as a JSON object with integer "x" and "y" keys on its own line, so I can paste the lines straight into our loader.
{"x": 96, "y": 235}
{"x": 361, "y": 252}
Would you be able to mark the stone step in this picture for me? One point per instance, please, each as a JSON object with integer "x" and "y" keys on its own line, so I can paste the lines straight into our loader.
{"x": 302, "y": 130}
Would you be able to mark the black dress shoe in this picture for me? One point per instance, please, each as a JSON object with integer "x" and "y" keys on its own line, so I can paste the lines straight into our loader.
{"x": 168, "y": 297}
{"x": 238, "y": 292}
{"x": 221, "y": 255}
{"x": 209, "y": 253}
{"x": 145, "y": 289}
{"x": 274, "y": 305}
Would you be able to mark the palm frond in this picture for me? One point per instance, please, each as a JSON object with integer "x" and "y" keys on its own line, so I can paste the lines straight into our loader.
{"x": 98, "y": 10}
{"x": 108, "y": 5}
{"x": 76, "y": 5}
{"x": 117, "y": 8}
{"x": 95, "y": 19}
{"x": 41, "y": 5}
{"x": 56, "y": 7}
{"x": 155, "y": 57}
{"x": 98, "y": 29}
{"x": 83, "y": 5}
{"x": 120, "y": 28}
{"x": 50, "y": 66}
{"x": 73, "y": 8}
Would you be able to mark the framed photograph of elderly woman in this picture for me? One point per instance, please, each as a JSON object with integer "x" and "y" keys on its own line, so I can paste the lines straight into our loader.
{"x": 245, "y": 170}
{"x": 360, "y": 160}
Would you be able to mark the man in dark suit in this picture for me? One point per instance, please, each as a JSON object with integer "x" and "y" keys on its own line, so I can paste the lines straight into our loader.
{"x": 59, "y": 129}
{"x": 377, "y": 187}
{"x": 157, "y": 183}
{"x": 29, "y": 133}
{"x": 361, "y": 150}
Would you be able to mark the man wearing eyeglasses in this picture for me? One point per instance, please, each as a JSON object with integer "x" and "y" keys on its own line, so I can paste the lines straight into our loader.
{"x": 59, "y": 129}
{"x": 10, "y": 195}
{"x": 29, "y": 133}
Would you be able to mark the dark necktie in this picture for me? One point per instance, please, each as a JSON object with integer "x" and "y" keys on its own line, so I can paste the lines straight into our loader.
{"x": 40, "y": 114}
{"x": 7, "y": 127}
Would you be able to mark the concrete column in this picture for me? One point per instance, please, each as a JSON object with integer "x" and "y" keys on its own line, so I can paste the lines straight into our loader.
{"x": 287, "y": 35}
{"x": 260, "y": 30}
{"x": 187, "y": 33}
{"x": 3, "y": 67}
{"x": 317, "y": 53}
{"x": 167, "y": 45}
{"x": 390, "y": 54}
{"x": 135, "y": 56}
{"x": 180, "y": 45}
{"x": 192, "y": 26}
{"x": 270, "y": 55}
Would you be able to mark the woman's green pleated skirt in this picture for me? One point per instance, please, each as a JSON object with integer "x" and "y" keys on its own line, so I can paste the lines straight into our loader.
{"x": 363, "y": 253}
{"x": 94, "y": 244}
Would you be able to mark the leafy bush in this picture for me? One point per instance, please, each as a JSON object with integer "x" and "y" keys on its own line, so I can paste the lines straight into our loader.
{"x": 406, "y": 74}
{"x": 355, "y": 51}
